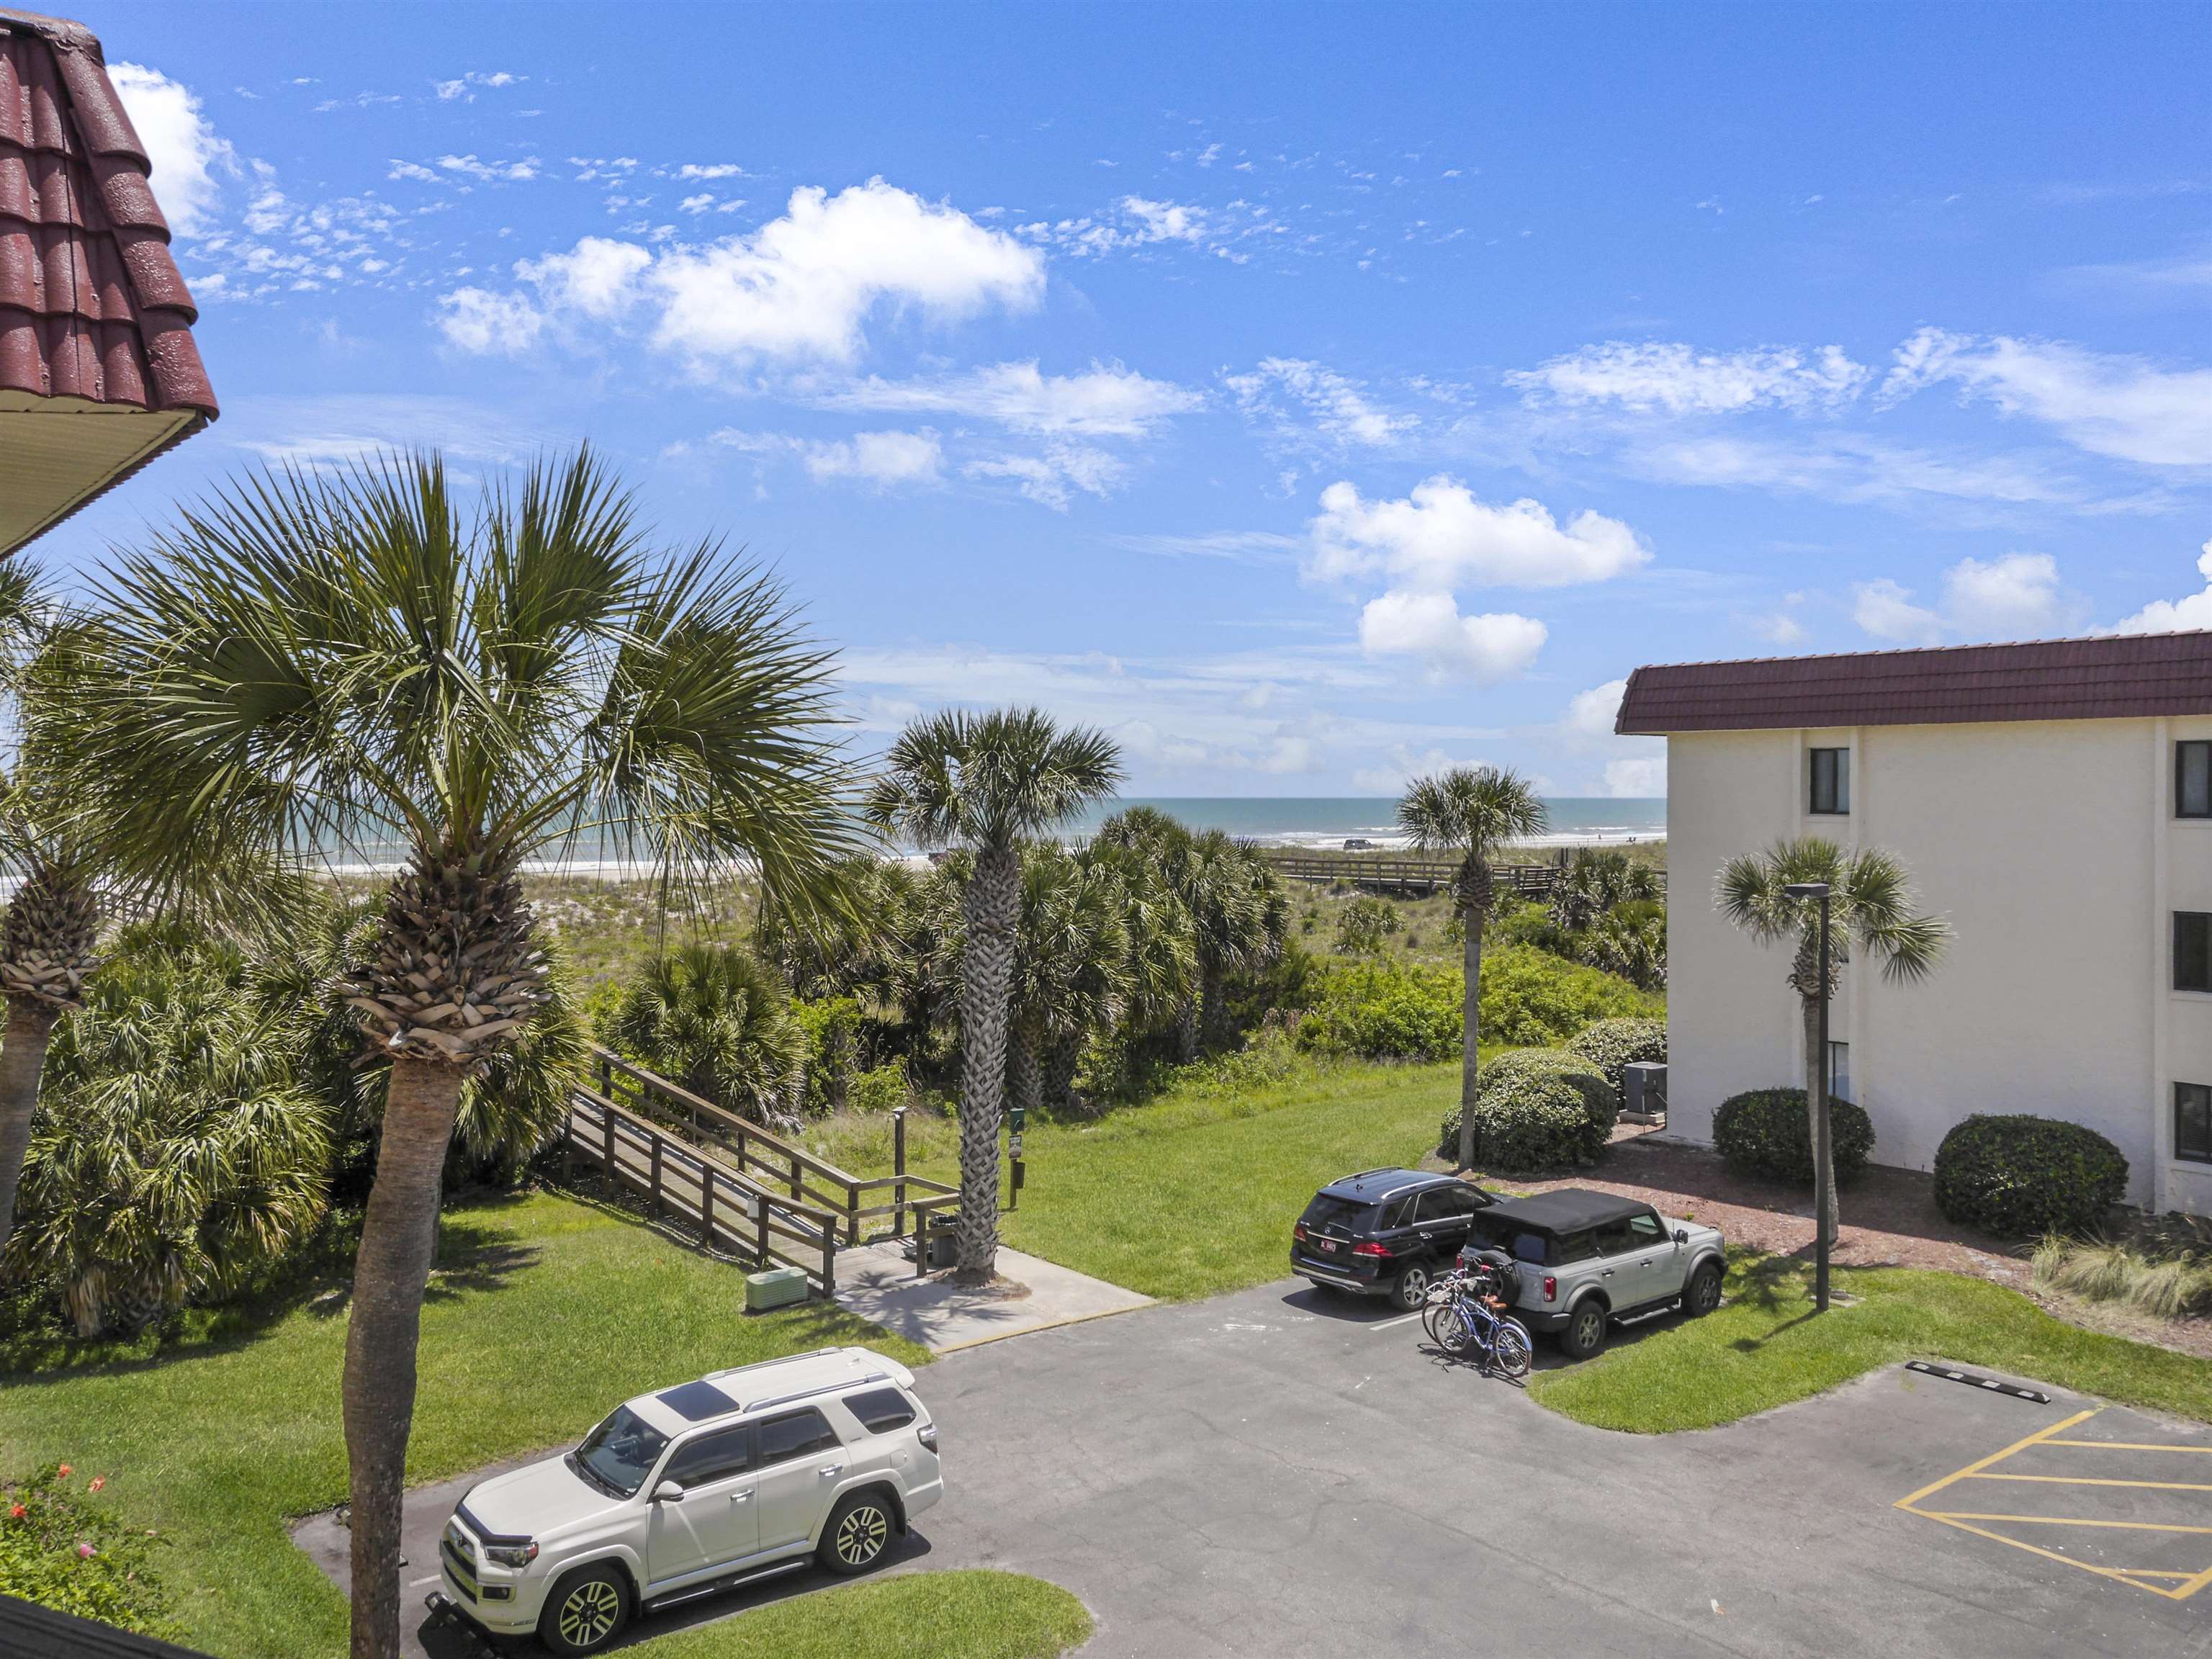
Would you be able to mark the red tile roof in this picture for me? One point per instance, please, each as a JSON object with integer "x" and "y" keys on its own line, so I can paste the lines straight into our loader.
{"x": 92, "y": 306}
{"x": 2130, "y": 676}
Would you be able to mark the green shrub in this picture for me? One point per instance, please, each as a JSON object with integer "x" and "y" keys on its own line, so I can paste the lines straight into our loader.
{"x": 1384, "y": 1010}
{"x": 879, "y": 1091}
{"x": 1765, "y": 1132}
{"x": 2018, "y": 1176}
{"x": 1532, "y": 999}
{"x": 63, "y": 1551}
{"x": 1537, "y": 1108}
{"x": 833, "y": 1030}
{"x": 2164, "y": 1287}
{"x": 1363, "y": 924}
{"x": 1609, "y": 1045}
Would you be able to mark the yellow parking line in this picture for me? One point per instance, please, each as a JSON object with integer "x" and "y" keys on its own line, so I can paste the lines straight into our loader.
{"x": 2058, "y": 1520}
{"x": 1998, "y": 1457}
{"x": 2037, "y": 1549}
{"x": 2087, "y": 1481}
{"x": 2122, "y": 1445}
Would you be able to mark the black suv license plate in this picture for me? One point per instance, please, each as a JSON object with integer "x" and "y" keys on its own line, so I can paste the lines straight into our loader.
{"x": 1328, "y": 1244}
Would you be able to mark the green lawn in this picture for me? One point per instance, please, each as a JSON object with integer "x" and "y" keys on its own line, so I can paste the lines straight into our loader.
{"x": 976, "y": 1615}
{"x": 1193, "y": 1193}
{"x": 1765, "y": 1347}
{"x": 545, "y": 1312}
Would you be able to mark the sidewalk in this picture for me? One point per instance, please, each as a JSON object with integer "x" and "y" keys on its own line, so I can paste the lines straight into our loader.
{"x": 878, "y": 1282}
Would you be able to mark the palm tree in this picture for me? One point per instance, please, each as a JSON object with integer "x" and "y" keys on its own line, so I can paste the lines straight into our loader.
{"x": 716, "y": 1020}
{"x": 1472, "y": 812}
{"x": 1238, "y": 917}
{"x": 308, "y": 662}
{"x": 1869, "y": 905}
{"x": 1071, "y": 965}
{"x": 988, "y": 781}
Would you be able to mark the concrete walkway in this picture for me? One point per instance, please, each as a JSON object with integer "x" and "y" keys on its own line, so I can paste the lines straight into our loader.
{"x": 878, "y": 1282}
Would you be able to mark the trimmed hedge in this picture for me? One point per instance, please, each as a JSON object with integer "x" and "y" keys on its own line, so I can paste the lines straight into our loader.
{"x": 1765, "y": 1132}
{"x": 2018, "y": 1175}
{"x": 1537, "y": 1109}
{"x": 1611, "y": 1045}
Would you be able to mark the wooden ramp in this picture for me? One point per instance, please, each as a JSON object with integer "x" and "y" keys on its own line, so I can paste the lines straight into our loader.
{"x": 743, "y": 1191}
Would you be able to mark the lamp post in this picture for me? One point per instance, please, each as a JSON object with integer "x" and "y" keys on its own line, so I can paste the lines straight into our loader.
{"x": 1821, "y": 1217}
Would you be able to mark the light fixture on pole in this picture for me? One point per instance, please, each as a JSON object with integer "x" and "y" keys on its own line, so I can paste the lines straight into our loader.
{"x": 1822, "y": 1218}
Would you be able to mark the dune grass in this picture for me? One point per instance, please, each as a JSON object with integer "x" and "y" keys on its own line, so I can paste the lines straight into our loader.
{"x": 1765, "y": 1347}
{"x": 922, "y": 1615}
{"x": 543, "y": 1313}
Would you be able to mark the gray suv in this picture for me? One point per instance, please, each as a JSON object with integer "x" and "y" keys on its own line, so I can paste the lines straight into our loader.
{"x": 1588, "y": 1258}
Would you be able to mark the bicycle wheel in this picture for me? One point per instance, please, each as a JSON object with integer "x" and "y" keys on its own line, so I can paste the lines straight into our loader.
{"x": 1454, "y": 1335}
{"x": 1510, "y": 1350}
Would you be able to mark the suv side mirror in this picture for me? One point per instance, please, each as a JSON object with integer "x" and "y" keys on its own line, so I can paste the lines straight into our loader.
{"x": 668, "y": 1492}
{"x": 1681, "y": 1235}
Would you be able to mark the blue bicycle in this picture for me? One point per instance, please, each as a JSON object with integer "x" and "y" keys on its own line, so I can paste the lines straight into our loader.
{"x": 1467, "y": 1321}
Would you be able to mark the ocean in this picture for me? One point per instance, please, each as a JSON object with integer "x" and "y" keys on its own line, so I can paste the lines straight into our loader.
{"x": 1329, "y": 821}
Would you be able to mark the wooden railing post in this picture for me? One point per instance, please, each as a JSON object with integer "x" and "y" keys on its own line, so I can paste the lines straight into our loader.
{"x": 898, "y": 1169}
{"x": 829, "y": 1257}
{"x": 851, "y": 1215}
{"x": 657, "y": 1144}
{"x": 760, "y": 1248}
{"x": 607, "y": 1121}
{"x": 706, "y": 1203}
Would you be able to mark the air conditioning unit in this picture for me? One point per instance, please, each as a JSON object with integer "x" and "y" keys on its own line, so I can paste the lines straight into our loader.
{"x": 1644, "y": 1093}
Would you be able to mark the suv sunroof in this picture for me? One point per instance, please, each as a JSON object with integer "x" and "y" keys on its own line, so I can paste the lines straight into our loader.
{"x": 697, "y": 1401}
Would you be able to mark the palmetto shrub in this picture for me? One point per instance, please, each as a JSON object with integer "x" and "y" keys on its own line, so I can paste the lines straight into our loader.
{"x": 178, "y": 1151}
{"x": 1767, "y": 1133}
{"x": 2019, "y": 1176}
{"x": 1363, "y": 925}
{"x": 1612, "y": 1045}
{"x": 1537, "y": 1108}
{"x": 715, "y": 1020}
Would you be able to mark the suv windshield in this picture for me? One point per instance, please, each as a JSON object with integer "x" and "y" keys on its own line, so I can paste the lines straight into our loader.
{"x": 621, "y": 1451}
{"x": 1342, "y": 1213}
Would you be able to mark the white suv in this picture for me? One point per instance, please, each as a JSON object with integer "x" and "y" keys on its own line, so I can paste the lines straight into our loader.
{"x": 680, "y": 1492}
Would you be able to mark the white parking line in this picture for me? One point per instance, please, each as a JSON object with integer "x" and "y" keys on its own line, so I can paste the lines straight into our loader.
{"x": 418, "y": 1583}
{"x": 1385, "y": 1324}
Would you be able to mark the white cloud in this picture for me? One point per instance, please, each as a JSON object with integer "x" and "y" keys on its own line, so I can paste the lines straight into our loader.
{"x": 2014, "y": 597}
{"x": 2111, "y": 405}
{"x": 1847, "y": 467}
{"x": 1332, "y": 405}
{"x": 1886, "y": 609}
{"x": 882, "y": 458}
{"x": 465, "y": 86}
{"x": 802, "y": 286}
{"x": 1428, "y": 626}
{"x": 475, "y": 320}
{"x": 1164, "y": 222}
{"x": 1106, "y": 402}
{"x": 1049, "y": 478}
{"x": 182, "y": 150}
{"x": 411, "y": 170}
{"x": 598, "y": 276}
{"x": 1632, "y": 766}
{"x": 712, "y": 170}
{"x": 1441, "y": 537}
{"x": 1681, "y": 380}
{"x": 2187, "y": 614}
{"x": 469, "y": 167}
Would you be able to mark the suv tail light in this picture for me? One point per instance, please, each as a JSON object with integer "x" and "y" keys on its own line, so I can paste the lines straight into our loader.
{"x": 928, "y": 1435}
{"x": 1370, "y": 1248}
{"x": 1298, "y": 1231}
{"x": 1551, "y": 1288}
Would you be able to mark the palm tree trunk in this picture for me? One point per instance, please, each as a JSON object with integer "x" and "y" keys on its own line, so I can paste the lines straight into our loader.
{"x": 1063, "y": 1058}
{"x": 1187, "y": 1030}
{"x": 1470, "y": 1030}
{"x": 399, "y": 1238}
{"x": 1024, "y": 1073}
{"x": 1816, "y": 1091}
{"x": 992, "y": 909}
{"x": 23, "y": 1058}
{"x": 1213, "y": 1006}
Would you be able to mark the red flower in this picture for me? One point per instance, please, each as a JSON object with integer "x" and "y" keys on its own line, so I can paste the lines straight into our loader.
{"x": 17, "y": 1513}
{"x": 84, "y": 1552}
{"x": 63, "y": 1470}
{"x": 98, "y": 1481}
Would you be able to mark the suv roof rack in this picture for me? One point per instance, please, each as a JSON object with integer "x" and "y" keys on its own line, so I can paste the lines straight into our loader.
{"x": 819, "y": 1388}
{"x": 781, "y": 1359}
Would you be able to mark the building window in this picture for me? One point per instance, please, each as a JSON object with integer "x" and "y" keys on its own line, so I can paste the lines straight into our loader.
{"x": 2193, "y": 951}
{"x": 1840, "y": 1071}
{"x": 1832, "y": 780}
{"x": 2192, "y": 780}
{"x": 2192, "y": 1123}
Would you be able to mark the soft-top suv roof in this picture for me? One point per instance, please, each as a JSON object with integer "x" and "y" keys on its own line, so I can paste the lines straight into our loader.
{"x": 747, "y": 1388}
{"x": 1374, "y": 1186}
{"x": 1565, "y": 1210}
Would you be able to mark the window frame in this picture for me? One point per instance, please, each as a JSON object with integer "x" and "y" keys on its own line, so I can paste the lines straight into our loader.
{"x": 812, "y": 1448}
{"x": 2199, "y": 1095}
{"x": 880, "y": 1422}
{"x": 1840, "y": 1090}
{"x": 2204, "y": 955}
{"x": 2181, "y": 749}
{"x": 742, "y": 1432}
{"x": 1840, "y": 782}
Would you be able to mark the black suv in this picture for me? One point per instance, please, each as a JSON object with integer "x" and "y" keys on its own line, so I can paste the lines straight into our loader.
{"x": 1385, "y": 1232}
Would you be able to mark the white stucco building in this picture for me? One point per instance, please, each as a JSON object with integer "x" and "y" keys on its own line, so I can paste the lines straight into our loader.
{"x": 2052, "y": 801}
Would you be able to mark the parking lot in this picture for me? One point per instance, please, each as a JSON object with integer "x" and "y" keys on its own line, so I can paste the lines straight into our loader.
{"x": 1279, "y": 1473}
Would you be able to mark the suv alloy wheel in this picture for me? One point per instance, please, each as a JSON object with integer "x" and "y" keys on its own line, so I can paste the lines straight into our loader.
{"x": 1584, "y": 1333}
{"x": 1411, "y": 1291}
{"x": 858, "y": 1531}
{"x": 586, "y": 1611}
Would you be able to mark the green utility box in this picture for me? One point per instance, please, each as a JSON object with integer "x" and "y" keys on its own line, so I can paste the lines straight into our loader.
{"x": 779, "y": 1287}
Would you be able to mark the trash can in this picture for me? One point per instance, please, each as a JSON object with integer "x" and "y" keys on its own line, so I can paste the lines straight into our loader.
{"x": 940, "y": 1243}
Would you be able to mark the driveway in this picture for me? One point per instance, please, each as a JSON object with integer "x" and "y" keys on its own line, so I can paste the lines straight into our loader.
{"x": 1277, "y": 1474}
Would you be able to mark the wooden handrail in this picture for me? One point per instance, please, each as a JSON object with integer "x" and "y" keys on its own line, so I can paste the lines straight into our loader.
{"x": 654, "y": 1133}
{"x": 753, "y": 1132}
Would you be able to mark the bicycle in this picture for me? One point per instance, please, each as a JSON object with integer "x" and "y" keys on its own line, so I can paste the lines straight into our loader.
{"x": 1468, "y": 1321}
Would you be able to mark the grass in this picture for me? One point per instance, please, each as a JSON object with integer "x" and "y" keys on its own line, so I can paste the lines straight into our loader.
{"x": 976, "y": 1614}
{"x": 1193, "y": 1193}
{"x": 543, "y": 1313}
{"x": 1764, "y": 1348}
{"x": 2165, "y": 1273}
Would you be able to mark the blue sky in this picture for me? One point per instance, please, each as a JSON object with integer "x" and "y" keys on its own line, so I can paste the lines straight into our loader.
{"x": 1309, "y": 396}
